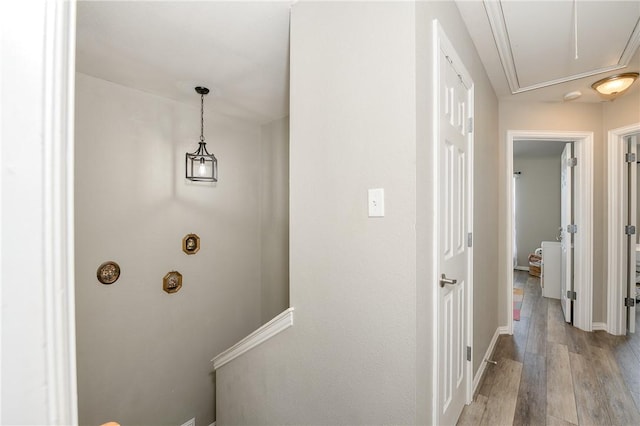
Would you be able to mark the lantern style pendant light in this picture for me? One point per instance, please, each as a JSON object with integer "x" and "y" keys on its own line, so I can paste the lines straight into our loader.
{"x": 200, "y": 165}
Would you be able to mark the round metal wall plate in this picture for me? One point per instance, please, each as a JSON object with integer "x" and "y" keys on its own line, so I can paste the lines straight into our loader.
{"x": 108, "y": 272}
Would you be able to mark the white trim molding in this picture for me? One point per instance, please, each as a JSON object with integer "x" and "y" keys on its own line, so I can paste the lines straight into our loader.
{"x": 262, "y": 334}
{"x": 616, "y": 245}
{"x": 599, "y": 326}
{"x": 58, "y": 148}
{"x": 583, "y": 202}
{"x": 38, "y": 306}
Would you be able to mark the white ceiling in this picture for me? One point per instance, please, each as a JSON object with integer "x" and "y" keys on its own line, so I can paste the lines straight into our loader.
{"x": 240, "y": 49}
{"x": 529, "y": 47}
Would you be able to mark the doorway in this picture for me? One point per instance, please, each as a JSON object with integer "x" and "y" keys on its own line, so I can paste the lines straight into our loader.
{"x": 583, "y": 203}
{"x": 538, "y": 201}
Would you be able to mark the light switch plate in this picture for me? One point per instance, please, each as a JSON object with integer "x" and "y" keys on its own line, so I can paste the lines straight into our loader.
{"x": 376, "y": 202}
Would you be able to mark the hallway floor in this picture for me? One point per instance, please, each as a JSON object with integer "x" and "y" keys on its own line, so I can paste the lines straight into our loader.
{"x": 550, "y": 373}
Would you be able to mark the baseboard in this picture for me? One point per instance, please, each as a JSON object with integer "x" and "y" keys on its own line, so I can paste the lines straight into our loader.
{"x": 503, "y": 329}
{"x": 213, "y": 424}
{"x": 599, "y": 326}
{"x": 487, "y": 355}
{"x": 191, "y": 422}
{"x": 522, "y": 268}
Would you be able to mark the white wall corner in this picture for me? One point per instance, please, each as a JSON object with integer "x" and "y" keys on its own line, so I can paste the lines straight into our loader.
{"x": 505, "y": 329}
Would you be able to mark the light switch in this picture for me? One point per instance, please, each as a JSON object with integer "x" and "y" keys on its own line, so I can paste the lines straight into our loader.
{"x": 376, "y": 202}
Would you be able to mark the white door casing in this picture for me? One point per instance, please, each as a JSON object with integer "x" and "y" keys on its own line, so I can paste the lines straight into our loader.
{"x": 454, "y": 106}
{"x": 566, "y": 238}
{"x": 616, "y": 241}
{"x": 36, "y": 201}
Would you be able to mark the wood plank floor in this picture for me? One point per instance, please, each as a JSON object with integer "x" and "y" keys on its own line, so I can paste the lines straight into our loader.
{"x": 550, "y": 373}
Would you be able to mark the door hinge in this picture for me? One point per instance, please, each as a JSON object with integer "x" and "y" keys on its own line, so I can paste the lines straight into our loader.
{"x": 572, "y": 229}
{"x": 629, "y": 230}
{"x": 629, "y": 302}
{"x": 573, "y": 161}
{"x": 470, "y": 239}
{"x": 468, "y": 353}
{"x": 571, "y": 295}
{"x": 630, "y": 157}
{"x": 470, "y": 125}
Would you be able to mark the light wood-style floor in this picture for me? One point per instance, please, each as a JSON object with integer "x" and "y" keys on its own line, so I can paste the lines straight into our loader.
{"x": 550, "y": 373}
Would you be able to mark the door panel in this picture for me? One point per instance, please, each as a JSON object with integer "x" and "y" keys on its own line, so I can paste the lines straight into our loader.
{"x": 453, "y": 250}
{"x": 566, "y": 238}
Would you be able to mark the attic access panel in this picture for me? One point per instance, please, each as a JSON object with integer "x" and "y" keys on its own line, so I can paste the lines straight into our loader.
{"x": 537, "y": 43}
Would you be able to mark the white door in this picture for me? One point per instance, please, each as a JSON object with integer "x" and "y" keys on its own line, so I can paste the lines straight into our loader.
{"x": 631, "y": 199}
{"x": 566, "y": 283}
{"x": 455, "y": 108}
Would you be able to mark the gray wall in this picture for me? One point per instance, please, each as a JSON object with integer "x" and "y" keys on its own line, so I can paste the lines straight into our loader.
{"x": 274, "y": 218}
{"x": 360, "y": 349}
{"x": 144, "y": 355}
{"x": 537, "y": 203}
{"x": 350, "y": 357}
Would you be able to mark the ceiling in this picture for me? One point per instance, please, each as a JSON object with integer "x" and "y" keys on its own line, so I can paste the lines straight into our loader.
{"x": 240, "y": 49}
{"x": 528, "y": 48}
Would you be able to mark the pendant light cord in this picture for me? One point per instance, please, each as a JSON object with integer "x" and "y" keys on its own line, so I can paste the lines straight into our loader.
{"x": 575, "y": 27}
{"x": 201, "y": 118}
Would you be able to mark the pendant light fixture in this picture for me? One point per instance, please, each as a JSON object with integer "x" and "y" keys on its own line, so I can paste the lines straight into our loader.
{"x": 200, "y": 165}
{"x": 613, "y": 86}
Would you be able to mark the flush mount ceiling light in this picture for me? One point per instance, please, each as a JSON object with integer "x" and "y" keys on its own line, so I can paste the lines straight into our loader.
{"x": 614, "y": 85}
{"x": 200, "y": 165}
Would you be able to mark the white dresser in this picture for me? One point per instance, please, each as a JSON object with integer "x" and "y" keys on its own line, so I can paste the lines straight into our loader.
{"x": 551, "y": 269}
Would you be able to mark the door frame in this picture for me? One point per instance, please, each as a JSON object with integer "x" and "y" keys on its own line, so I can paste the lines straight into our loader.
{"x": 583, "y": 207}
{"x": 441, "y": 42}
{"x": 616, "y": 244}
{"x": 47, "y": 49}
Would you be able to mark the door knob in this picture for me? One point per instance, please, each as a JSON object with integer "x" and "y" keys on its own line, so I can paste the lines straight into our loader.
{"x": 444, "y": 280}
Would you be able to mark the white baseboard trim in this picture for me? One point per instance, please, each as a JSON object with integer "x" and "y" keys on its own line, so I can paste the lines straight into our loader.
{"x": 503, "y": 329}
{"x": 267, "y": 331}
{"x": 483, "y": 365}
{"x": 191, "y": 422}
{"x": 213, "y": 424}
{"x": 599, "y": 326}
{"x": 522, "y": 268}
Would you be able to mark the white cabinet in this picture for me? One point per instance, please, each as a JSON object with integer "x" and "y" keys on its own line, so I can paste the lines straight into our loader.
{"x": 551, "y": 269}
